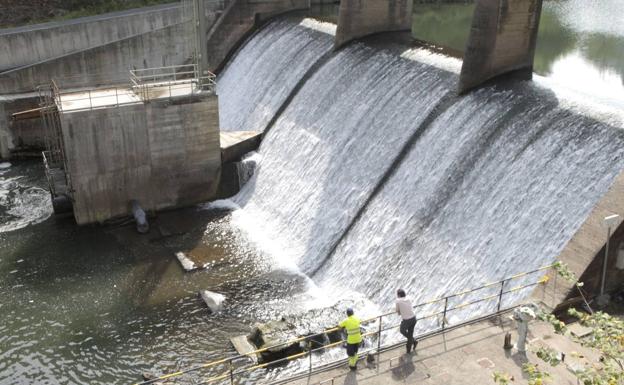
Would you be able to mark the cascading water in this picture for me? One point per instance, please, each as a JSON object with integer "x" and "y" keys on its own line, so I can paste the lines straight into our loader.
{"x": 494, "y": 183}
{"x": 333, "y": 143}
{"x": 263, "y": 73}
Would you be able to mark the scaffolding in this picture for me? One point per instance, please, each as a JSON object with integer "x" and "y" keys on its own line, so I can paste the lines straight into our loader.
{"x": 54, "y": 159}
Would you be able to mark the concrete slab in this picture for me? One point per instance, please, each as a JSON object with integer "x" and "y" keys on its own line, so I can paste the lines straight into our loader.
{"x": 114, "y": 96}
{"x": 213, "y": 300}
{"x": 235, "y": 144}
{"x": 186, "y": 263}
{"x": 243, "y": 346}
{"x": 468, "y": 355}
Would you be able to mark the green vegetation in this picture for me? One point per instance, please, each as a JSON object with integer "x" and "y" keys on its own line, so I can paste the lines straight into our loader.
{"x": 606, "y": 336}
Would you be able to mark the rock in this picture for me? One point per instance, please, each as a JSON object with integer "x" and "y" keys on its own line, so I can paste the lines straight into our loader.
{"x": 243, "y": 346}
{"x": 213, "y": 300}
{"x": 186, "y": 263}
{"x": 4, "y": 165}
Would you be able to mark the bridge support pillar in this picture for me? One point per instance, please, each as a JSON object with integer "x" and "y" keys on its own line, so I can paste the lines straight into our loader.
{"x": 238, "y": 21}
{"x": 502, "y": 41}
{"x": 358, "y": 18}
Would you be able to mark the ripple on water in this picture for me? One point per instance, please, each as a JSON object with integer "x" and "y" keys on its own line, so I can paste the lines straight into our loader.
{"x": 22, "y": 205}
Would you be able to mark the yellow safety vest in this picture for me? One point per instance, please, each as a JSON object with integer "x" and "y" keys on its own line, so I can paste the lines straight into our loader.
{"x": 352, "y": 325}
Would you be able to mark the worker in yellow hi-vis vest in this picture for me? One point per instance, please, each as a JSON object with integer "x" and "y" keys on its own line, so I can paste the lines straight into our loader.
{"x": 352, "y": 325}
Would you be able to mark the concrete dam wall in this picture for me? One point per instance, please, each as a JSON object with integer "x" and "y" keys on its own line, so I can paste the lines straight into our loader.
{"x": 415, "y": 186}
{"x": 41, "y": 42}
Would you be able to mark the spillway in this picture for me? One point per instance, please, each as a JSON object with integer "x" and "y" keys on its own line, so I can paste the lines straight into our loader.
{"x": 265, "y": 70}
{"x": 376, "y": 176}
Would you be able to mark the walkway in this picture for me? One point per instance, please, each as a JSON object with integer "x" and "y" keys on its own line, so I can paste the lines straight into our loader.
{"x": 467, "y": 355}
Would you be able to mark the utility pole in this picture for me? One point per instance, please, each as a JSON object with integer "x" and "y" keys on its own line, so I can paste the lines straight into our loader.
{"x": 610, "y": 222}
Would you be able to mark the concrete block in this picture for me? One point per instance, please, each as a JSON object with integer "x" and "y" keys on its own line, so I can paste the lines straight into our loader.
{"x": 185, "y": 261}
{"x": 243, "y": 347}
{"x": 213, "y": 300}
{"x": 359, "y": 18}
{"x": 163, "y": 154}
{"x": 502, "y": 41}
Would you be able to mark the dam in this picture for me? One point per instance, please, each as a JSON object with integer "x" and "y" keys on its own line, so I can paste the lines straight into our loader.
{"x": 373, "y": 172}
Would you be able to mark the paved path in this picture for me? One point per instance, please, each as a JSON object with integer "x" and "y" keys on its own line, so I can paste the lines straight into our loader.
{"x": 468, "y": 355}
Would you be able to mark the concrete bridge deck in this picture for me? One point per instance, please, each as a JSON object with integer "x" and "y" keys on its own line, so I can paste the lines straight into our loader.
{"x": 467, "y": 355}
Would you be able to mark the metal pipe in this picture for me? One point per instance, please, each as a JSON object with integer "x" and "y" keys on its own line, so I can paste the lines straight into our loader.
{"x": 139, "y": 217}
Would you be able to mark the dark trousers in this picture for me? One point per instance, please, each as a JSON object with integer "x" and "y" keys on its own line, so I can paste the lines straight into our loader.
{"x": 352, "y": 350}
{"x": 407, "y": 329}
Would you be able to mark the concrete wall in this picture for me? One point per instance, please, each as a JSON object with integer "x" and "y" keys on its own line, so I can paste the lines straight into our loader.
{"x": 358, "y": 18}
{"x": 107, "y": 64}
{"x": 23, "y": 134}
{"x": 502, "y": 40}
{"x": 163, "y": 154}
{"x": 31, "y": 44}
{"x": 585, "y": 251}
{"x": 237, "y": 21}
{"x": 5, "y": 136}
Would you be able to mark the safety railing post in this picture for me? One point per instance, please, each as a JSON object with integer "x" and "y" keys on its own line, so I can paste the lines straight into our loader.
{"x": 231, "y": 372}
{"x": 444, "y": 313}
{"x": 310, "y": 354}
{"x": 90, "y": 101}
{"x": 379, "y": 338}
{"x": 116, "y": 97}
{"x": 500, "y": 296}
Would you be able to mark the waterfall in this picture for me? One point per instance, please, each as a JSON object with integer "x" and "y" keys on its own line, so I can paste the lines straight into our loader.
{"x": 264, "y": 71}
{"x": 492, "y": 183}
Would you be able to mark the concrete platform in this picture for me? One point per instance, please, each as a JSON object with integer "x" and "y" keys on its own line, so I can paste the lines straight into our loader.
{"x": 467, "y": 355}
{"x": 235, "y": 144}
{"x": 121, "y": 95}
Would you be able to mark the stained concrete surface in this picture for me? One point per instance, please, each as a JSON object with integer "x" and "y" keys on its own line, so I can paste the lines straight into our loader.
{"x": 468, "y": 355}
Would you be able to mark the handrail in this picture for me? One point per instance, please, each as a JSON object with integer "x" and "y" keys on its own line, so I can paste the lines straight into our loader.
{"x": 231, "y": 373}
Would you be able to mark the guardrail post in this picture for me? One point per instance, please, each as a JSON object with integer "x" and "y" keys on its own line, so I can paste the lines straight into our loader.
{"x": 444, "y": 313}
{"x": 231, "y": 372}
{"x": 379, "y": 338}
{"x": 310, "y": 354}
{"x": 90, "y": 102}
{"x": 500, "y": 296}
{"x": 117, "y": 96}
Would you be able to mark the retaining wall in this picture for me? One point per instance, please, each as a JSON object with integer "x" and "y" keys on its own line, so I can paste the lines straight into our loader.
{"x": 35, "y": 43}
{"x": 163, "y": 154}
{"x": 107, "y": 64}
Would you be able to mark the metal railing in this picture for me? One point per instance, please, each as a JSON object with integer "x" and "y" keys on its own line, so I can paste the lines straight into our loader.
{"x": 143, "y": 85}
{"x": 231, "y": 371}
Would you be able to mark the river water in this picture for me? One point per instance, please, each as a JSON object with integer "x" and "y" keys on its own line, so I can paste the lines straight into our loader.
{"x": 469, "y": 190}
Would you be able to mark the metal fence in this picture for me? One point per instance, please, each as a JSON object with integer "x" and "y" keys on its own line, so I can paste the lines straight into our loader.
{"x": 447, "y": 304}
{"x": 142, "y": 86}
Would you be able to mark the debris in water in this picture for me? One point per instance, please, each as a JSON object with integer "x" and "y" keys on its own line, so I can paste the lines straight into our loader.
{"x": 187, "y": 264}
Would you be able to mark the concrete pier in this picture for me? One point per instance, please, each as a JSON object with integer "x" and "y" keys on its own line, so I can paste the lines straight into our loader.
{"x": 502, "y": 41}
{"x": 156, "y": 143}
{"x": 237, "y": 21}
{"x": 359, "y": 18}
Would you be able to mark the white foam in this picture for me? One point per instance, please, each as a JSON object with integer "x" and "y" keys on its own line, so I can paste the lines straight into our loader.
{"x": 321, "y": 26}
{"x": 434, "y": 59}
